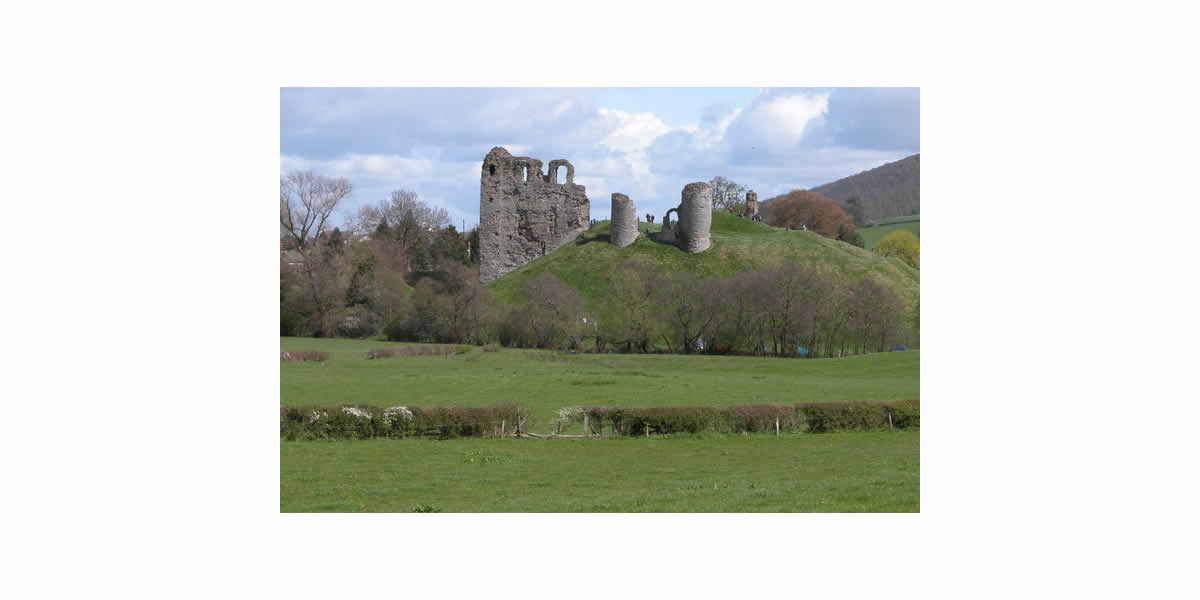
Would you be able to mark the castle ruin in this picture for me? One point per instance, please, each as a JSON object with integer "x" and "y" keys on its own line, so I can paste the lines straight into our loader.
{"x": 623, "y": 228}
{"x": 523, "y": 213}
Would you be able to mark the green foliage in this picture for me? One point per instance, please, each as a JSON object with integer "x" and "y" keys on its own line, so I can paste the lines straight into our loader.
{"x": 850, "y": 236}
{"x": 901, "y": 244}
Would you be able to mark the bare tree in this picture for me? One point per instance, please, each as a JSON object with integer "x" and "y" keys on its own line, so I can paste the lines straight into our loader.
{"x": 363, "y": 221}
{"x": 305, "y": 202}
{"x": 728, "y": 195}
{"x": 403, "y": 202}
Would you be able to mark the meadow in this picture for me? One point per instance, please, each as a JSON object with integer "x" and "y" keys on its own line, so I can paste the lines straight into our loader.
{"x": 832, "y": 472}
{"x": 546, "y": 381}
{"x": 802, "y": 472}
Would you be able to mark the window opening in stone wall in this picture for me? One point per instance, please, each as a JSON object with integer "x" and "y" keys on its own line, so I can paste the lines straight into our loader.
{"x": 492, "y": 169}
{"x": 524, "y": 173}
{"x": 560, "y": 174}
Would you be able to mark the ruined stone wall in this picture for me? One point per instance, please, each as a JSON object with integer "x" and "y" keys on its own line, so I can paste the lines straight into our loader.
{"x": 751, "y": 204}
{"x": 524, "y": 213}
{"x": 624, "y": 228}
{"x": 695, "y": 218}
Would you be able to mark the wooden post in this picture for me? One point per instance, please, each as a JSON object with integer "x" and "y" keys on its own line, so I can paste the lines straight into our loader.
{"x": 586, "y": 431}
{"x": 501, "y": 427}
{"x": 776, "y": 426}
{"x": 890, "y": 420}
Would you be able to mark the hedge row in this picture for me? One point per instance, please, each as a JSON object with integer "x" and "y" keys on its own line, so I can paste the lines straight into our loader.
{"x": 360, "y": 421}
{"x": 292, "y": 355}
{"x": 419, "y": 350}
{"x": 748, "y": 418}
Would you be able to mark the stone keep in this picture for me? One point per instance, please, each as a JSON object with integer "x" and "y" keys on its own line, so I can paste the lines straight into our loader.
{"x": 695, "y": 218}
{"x": 523, "y": 213}
{"x": 752, "y": 204}
{"x": 624, "y": 228}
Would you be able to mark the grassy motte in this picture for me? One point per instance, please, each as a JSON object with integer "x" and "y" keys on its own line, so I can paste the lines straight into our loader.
{"x": 738, "y": 244}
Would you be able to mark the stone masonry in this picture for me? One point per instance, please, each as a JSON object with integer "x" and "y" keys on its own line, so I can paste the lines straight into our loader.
{"x": 695, "y": 218}
{"x": 752, "y": 205}
{"x": 624, "y": 228}
{"x": 525, "y": 214}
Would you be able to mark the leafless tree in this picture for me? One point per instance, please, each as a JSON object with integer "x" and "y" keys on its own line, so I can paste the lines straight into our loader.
{"x": 728, "y": 195}
{"x": 363, "y": 221}
{"x": 305, "y": 202}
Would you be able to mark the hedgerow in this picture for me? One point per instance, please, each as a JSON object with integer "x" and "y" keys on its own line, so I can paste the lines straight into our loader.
{"x": 360, "y": 421}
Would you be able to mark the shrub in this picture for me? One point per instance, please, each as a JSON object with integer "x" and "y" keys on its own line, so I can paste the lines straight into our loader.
{"x": 831, "y": 416}
{"x": 302, "y": 355}
{"x": 756, "y": 418}
{"x": 403, "y": 330}
{"x": 906, "y": 414}
{"x": 419, "y": 350}
{"x": 358, "y": 322}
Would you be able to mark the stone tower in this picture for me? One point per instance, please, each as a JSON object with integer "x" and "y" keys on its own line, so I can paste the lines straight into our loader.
{"x": 695, "y": 218}
{"x": 525, "y": 214}
{"x": 624, "y": 228}
{"x": 752, "y": 205}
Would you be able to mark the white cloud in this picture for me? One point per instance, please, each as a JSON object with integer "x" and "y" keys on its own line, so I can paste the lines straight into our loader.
{"x": 371, "y": 165}
{"x": 629, "y": 132}
{"x": 780, "y": 121}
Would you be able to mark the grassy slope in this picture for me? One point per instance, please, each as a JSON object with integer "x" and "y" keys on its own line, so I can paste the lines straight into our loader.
{"x": 546, "y": 381}
{"x": 738, "y": 244}
{"x": 872, "y": 235}
{"x": 836, "y": 472}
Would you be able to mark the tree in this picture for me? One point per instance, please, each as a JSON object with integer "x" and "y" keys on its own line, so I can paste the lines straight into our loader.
{"x": 552, "y": 311}
{"x": 809, "y": 209}
{"x": 364, "y": 221}
{"x": 473, "y": 245}
{"x": 902, "y": 244}
{"x": 728, "y": 195}
{"x": 449, "y": 246}
{"x": 403, "y": 201}
{"x": 305, "y": 202}
{"x": 853, "y": 207}
{"x": 850, "y": 236}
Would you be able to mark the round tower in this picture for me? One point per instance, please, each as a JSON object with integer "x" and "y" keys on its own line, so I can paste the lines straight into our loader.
{"x": 624, "y": 228}
{"x": 695, "y": 217}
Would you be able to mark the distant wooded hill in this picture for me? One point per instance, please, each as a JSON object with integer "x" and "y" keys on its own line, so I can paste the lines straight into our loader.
{"x": 889, "y": 190}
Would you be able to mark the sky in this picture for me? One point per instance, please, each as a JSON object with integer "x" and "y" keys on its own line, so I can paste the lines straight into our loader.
{"x": 646, "y": 143}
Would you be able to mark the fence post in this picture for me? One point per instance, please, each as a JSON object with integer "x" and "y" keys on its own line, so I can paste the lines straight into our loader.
{"x": 776, "y": 426}
{"x": 501, "y": 427}
{"x": 890, "y": 419}
{"x": 586, "y": 431}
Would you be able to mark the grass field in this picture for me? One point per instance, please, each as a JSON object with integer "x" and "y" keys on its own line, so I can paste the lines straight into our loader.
{"x": 872, "y": 235}
{"x": 833, "y": 472}
{"x": 546, "y": 381}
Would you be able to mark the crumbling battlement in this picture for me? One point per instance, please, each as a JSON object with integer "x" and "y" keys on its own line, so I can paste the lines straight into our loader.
{"x": 624, "y": 225}
{"x": 524, "y": 213}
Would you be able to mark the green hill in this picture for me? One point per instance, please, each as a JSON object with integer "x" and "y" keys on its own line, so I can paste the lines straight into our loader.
{"x": 737, "y": 244}
{"x": 872, "y": 235}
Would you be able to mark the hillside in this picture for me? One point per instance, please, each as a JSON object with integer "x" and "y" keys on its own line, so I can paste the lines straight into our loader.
{"x": 738, "y": 244}
{"x": 889, "y": 190}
